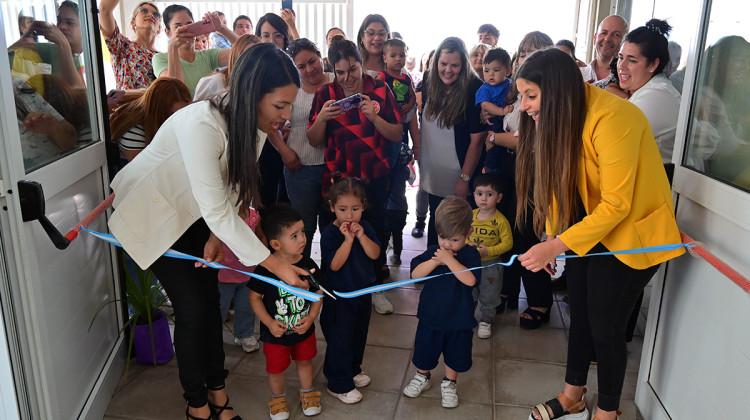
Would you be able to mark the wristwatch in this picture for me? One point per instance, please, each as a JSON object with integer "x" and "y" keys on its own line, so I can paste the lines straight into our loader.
{"x": 465, "y": 177}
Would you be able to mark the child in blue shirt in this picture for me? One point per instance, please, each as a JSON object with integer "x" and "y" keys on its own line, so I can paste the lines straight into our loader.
{"x": 446, "y": 306}
{"x": 348, "y": 248}
{"x": 491, "y": 97}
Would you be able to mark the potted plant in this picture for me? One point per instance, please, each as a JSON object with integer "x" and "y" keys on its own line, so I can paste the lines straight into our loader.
{"x": 148, "y": 322}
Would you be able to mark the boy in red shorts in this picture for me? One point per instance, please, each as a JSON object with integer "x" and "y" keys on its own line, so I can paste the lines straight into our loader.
{"x": 287, "y": 327}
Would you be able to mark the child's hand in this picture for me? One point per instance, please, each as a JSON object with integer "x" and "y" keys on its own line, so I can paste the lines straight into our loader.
{"x": 444, "y": 256}
{"x": 356, "y": 230}
{"x": 507, "y": 110}
{"x": 277, "y": 328}
{"x": 303, "y": 325}
{"x": 346, "y": 230}
{"x": 405, "y": 109}
{"x": 483, "y": 251}
{"x": 489, "y": 141}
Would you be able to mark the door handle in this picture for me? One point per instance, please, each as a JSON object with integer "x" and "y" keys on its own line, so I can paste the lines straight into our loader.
{"x": 33, "y": 208}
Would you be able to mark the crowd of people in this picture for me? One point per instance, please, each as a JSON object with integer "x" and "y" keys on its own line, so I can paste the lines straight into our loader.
{"x": 239, "y": 144}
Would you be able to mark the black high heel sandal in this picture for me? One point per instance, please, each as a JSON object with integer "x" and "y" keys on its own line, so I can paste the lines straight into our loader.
{"x": 537, "y": 318}
{"x": 189, "y": 416}
{"x": 217, "y": 410}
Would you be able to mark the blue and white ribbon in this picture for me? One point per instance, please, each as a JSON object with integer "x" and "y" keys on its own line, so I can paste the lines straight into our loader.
{"x": 305, "y": 294}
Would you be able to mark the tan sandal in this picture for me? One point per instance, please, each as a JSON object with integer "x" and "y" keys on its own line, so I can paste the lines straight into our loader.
{"x": 575, "y": 411}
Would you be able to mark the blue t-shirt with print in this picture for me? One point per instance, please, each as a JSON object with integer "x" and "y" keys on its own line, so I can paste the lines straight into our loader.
{"x": 495, "y": 95}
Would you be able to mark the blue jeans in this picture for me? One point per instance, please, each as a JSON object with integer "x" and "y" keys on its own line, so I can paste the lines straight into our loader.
{"x": 244, "y": 317}
{"x": 304, "y": 190}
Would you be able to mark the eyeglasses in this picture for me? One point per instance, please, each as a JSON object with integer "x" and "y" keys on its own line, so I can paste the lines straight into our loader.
{"x": 146, "y": 12}
{"x": 379, "y": 34}
{"x": 277, "y": 36}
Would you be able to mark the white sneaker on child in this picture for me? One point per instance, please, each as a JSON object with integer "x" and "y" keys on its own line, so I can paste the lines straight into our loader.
{"x": 382, "y": 306}
{"x": 484, "y": 330}
{"x": 449, "y": 392}
{"x": 361, "y": 380}
{"x": 249, "y": 344}
{"x": 351, "y": 397}
{"x": 418, "y": 384}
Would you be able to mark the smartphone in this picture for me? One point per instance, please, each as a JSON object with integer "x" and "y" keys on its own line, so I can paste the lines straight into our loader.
{"x": 286, "y": 4}
{"x": 348, "y": 103}
{"x": 114, "y": 96}
{"x": 201, "y": 28}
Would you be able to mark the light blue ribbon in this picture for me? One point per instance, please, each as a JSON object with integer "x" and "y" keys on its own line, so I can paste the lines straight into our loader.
{"x": 305, "y": 294}
{"x": 383, "y": 287}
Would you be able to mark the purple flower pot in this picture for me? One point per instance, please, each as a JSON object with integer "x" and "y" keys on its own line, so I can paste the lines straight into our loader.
{"x": 162, "y": 342}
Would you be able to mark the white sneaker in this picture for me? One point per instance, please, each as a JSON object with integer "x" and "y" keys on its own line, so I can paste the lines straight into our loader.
{"x": 249, "y": 344}
{"x": 351, "y": 397}
{"x": 449, "y": 392}
{"x": 361, "y": 380}
{"x": 382, "y": 306}
{"x": 418, "y": 384}
{"x": 484, "y": 330}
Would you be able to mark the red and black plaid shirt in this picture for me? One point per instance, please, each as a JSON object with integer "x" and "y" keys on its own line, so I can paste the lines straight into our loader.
{"x": 353, "y": 146}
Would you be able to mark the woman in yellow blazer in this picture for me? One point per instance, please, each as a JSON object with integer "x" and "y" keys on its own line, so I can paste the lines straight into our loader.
{"x": 590, "y": 164}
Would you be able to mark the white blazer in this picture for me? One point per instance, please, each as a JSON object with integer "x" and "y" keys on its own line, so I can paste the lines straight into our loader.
{"x": 180, "y": 177}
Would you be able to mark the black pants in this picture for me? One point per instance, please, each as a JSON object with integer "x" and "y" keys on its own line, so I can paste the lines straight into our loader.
{"x": 194, "y": 293}
{"x": 271, "y": 168}
{"x": 602, "y": 292}
{"x": 345, "y": 323}
{"x": 538, "y": 285}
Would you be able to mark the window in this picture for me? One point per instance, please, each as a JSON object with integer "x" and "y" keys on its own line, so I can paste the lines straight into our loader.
{"x": 52, "y": 104}
{"x": 719, "y": 126}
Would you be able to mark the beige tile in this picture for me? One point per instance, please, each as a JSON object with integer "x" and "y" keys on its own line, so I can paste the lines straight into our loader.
{"x": 543, "y": 344}
{"x": 424, "y": 407}
{"x": 392, "y": 330}
{"x": 526, "y": 384}
{"x": 156, "y": 394}
{"x": 375, "y": 405}
{"x": 249, "y": 396}
{"x": 386, "y": 366}
{"x": 404, "y": 300}
{"x": 507, "y": 412}
{"x": 474, "y": 385}
{"x": 482, "y": 347}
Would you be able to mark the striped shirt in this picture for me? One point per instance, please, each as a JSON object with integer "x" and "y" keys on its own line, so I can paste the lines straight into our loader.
{"x": 133, "y": 139}
{"x": 297, "y": 140}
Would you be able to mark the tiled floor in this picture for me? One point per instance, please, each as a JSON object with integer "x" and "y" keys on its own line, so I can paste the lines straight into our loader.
{"x": 513, "y": 370}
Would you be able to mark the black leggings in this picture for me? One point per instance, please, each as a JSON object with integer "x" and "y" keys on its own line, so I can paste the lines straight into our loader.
{"x": 194, "y": 292}
{"x": 602, "y": 292}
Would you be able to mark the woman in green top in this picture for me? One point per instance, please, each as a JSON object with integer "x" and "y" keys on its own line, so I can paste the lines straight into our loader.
{"x": 181, "y": 61}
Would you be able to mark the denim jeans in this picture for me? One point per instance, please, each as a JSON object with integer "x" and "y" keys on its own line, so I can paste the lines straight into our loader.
{"x": 244, "y": 317}
{"x": 304, "y": 190}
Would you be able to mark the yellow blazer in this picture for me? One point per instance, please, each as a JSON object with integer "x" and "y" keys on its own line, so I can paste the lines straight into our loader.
{"x": 623, "y": 185}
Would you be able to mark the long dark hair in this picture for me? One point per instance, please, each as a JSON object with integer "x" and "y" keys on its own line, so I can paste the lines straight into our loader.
{"x": 260, "y": 70}
{"x": 549, "y": 150}
{"x": 278, "y": 23}
{"x": 446, "y": 104}
{"x": 652, "y": 41}
{"x": 365, "y": 23}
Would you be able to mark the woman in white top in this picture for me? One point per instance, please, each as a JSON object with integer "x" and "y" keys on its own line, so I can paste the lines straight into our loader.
{"x": 304, "y": 179}
{"x": 184, "y": 192}
{"x": 642, "y": 59}
{"x": 218, "y": 82}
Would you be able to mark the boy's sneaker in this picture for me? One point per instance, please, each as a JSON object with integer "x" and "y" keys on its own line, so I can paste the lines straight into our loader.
{"x": 310, "y": 402}
{"x": 361, "y": 380}
{"x": 382, "y": 306}
{"x": 449, "y": 392}
{"x": 484, "y": 330}
{"x": 351, "y": 397}
{"x": 418, "y": 384}
{"x": 278, "y": 408}
{"x": 249, "y": 344}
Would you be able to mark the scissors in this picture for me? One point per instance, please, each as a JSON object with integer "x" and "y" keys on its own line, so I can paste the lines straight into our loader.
{"x": 315, "y": 283}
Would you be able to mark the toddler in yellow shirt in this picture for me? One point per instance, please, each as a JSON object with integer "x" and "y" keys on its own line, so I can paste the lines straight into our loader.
{"x": 492, "y": 236}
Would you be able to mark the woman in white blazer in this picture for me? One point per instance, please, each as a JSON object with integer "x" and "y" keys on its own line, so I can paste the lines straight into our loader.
{"x": 185, "y": 190}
